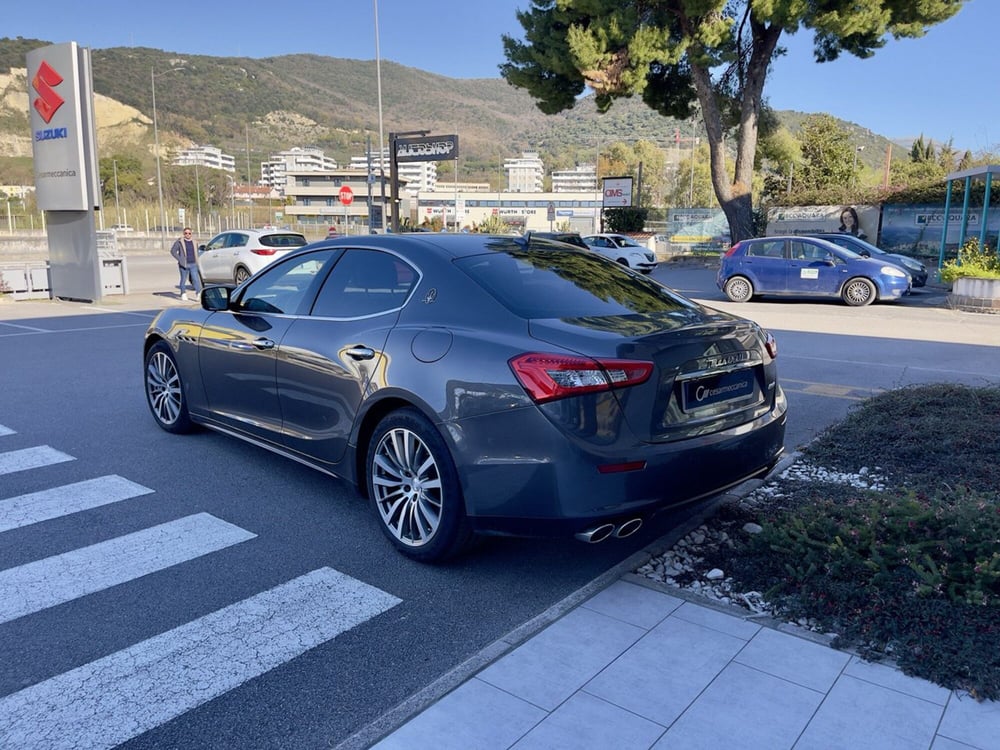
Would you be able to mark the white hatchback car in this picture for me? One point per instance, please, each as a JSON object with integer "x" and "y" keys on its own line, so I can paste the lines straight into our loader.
{"x": 236, "y": 255}
{"x": 624, "y": 250}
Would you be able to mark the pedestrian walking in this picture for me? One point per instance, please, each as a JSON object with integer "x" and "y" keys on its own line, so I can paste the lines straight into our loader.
{"x": 186, "y": 255}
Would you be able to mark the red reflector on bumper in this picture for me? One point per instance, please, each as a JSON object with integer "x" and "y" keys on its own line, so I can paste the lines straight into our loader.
{"x": 618, "y": 468}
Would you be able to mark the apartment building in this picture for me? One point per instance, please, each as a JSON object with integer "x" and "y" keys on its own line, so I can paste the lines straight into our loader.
{"x": 274, "y": 171}
{"x": 204, "y": 156}
{"x": 580, "y": 179}
{"x": 524, "y": 173}
{"x": 419, "y": 175}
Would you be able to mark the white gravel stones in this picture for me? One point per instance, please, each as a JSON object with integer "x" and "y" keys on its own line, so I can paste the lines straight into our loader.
{"x": 683, "y": 565}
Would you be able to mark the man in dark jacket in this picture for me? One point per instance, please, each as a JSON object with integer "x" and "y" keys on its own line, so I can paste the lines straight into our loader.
{"x": 186, "y": 255}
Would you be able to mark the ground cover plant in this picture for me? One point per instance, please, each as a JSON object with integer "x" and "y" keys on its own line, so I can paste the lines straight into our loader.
{"x": 904, "y": 565}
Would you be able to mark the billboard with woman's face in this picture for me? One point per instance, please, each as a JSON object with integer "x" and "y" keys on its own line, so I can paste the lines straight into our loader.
{"x": 861, "y": 221}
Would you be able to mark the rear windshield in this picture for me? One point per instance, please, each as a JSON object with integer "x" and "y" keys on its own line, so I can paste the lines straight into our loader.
{"x": 557, "y": 282}
{"x": 289, "y": 239}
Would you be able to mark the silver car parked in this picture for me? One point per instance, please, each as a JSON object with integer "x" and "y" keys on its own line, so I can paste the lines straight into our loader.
{"x": 234, "y": 256}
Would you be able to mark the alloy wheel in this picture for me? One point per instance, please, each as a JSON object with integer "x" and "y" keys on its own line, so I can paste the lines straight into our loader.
{"x": 406, "y": 482}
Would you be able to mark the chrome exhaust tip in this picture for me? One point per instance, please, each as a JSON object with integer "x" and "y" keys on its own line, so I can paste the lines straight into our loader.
{"x": 596, "y": 534}
{"x": 628, "y": 528}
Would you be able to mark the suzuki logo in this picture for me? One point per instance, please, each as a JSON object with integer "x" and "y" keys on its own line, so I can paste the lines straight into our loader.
{"x": 48, "y": 100}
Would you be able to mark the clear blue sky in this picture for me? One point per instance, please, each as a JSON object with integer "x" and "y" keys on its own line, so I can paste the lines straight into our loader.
{"x": 942, "y": 85}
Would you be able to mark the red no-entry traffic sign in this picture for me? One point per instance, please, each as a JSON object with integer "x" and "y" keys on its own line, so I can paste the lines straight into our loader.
{"x": 346, "y": 195}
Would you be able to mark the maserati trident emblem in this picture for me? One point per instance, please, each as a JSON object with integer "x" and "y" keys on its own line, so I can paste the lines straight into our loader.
{"x": 48, "y": 101}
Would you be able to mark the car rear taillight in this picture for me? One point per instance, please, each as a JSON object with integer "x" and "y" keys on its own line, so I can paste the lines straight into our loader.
{"x": 771, "y": 344}
{"x": 263, "y": 251}
{"x": 731, "y": 250}
{"x": 547, "y": 377}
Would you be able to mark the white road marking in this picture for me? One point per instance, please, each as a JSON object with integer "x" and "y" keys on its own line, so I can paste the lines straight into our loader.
{"x": 31, "y": 458}
{"x": 111, "y": 700}
{"x": 5, "y": 431}
{"x": 55, "y": 580}
{"x": 35, "y": 507}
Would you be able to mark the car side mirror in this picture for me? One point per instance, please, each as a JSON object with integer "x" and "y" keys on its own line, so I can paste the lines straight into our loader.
{"x": 865, "y": 254}
{"x": 215, "y": 298}
{"x": 201, "y": 248}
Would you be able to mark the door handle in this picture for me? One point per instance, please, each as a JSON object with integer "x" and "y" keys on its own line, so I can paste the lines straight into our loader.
{"x": 360, "y": 352}
{"x": 246, "y": 346}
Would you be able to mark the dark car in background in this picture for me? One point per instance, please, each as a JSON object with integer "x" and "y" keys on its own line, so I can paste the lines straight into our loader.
{"x": 570, "y": 238}
{"x": 801, "y": 266}
{"x": 470, "y": 383}
{"x": 916, "y": 269}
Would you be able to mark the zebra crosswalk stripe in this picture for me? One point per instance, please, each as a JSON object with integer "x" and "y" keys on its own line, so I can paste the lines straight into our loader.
{"x": 62, "y": 578}
{"x": 5, "y": 431}
{"x": 24, "y": 510}
{"x": 31, "y": 458}
{"x": 111, "y": 700}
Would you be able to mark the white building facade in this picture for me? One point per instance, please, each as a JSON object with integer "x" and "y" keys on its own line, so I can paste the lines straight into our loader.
{"x": 582, "y": 178}
{"x": 205, "y": 156}
{"x": 419, "y": 175}
{"x": 274, "y": 171}
{"x": 525, "y": 173}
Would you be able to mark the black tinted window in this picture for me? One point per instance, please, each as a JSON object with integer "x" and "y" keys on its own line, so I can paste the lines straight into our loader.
{"x": 286, "y": 287}
{"x": 548, "y": 283}
{"x": 365, "y": 282}
{"x": 282, "y": 240}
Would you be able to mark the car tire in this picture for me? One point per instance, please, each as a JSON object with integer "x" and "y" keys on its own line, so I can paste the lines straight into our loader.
{"x": 240, "y": 275}
{"x": 165, "y": 391}
{"x": 739, "y": 289}
{"x": 858, "y": 292}
{"x": 413, "y": 484}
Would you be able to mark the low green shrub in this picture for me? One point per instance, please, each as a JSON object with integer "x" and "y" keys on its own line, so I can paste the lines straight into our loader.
{"x": 911, "y": 573}
{"x": 973, "y": 262}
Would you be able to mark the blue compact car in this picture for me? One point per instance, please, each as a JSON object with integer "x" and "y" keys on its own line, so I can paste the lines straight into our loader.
{"x": 807, "y": 267}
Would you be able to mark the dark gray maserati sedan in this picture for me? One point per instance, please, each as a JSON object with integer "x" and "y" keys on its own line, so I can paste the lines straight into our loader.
{"x": 472, "y": 384}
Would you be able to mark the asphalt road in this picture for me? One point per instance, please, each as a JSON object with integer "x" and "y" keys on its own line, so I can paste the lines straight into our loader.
{"x": 70, "y": 379}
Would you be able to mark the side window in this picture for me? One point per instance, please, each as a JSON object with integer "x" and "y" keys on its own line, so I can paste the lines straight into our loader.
{"x": 365, "y": 282}
{"x": 218, "y": 242}
{"x": 237, "y": 239}
{"x": 808, "y": 251}
{"x": 768, "y": 249}
{"x": 286, "y": 287}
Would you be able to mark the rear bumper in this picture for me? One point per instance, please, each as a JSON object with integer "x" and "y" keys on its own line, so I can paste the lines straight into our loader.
{"x": 560, "y": 491}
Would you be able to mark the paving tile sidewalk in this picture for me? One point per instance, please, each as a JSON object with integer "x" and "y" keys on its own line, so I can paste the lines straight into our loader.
{"x": 638, "y": 665}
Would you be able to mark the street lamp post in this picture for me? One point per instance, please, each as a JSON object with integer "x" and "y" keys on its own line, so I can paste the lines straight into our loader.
{"x": 156, "y": 145}
{"x": 854, "y": 166}
{"x": 381, "y": 139}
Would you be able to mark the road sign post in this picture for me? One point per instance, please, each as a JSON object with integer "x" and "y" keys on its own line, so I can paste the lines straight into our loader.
{"x": 346, "y": 198}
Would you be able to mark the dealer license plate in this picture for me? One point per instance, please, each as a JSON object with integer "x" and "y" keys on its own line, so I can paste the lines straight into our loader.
{"x": 727, "y": 386}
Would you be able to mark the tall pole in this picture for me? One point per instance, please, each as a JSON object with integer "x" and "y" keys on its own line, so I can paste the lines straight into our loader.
{"x": 381, "y": 139}
{"x": 156, "y": 145}
{"x": 197, "y": 190}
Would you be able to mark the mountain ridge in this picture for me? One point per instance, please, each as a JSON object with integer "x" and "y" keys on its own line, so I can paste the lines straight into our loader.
{"x": 265, "y": 105}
